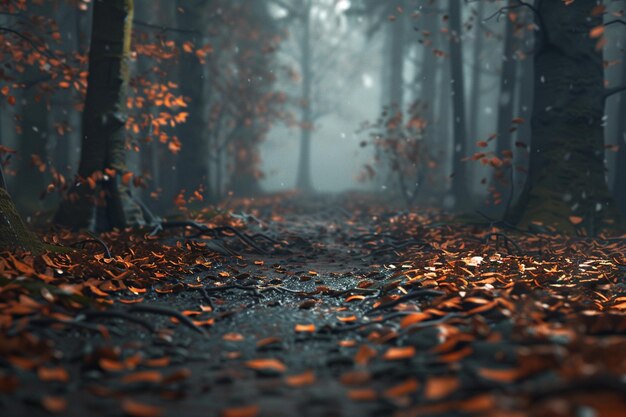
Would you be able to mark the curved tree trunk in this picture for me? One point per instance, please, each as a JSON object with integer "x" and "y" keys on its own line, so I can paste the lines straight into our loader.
{"x": 567, "y": 172}
{"x": 99, "y": 199}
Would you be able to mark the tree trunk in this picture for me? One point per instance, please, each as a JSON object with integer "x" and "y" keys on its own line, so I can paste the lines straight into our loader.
{"x": 477, "y": 70}
{"x": 619, "y": 184}
{"x": 459, "y": 181}
{"x": 99, "y": 199}
{"x": 396, "y": 76}
{"x": 567, "y": 172}
{"x": 303, "y": 181}
{"x": 193, "y": 162}
{"x": 501, "y": 178}
{"x": 13, "y": 232}
{"x": 31, "y": 147}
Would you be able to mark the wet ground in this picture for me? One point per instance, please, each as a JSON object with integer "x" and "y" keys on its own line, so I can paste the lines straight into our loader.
{"x": 332, "y": 320}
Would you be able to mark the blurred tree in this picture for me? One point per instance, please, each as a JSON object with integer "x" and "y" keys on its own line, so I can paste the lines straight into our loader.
{"x": 100, "y": 198}
{"x": 192, "y": 169}
{"x": 567, "y": 187}
{"x": 460, "y": 188}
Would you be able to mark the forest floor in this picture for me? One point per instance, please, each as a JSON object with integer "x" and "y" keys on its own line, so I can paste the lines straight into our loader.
{"x": 338, "y": 308}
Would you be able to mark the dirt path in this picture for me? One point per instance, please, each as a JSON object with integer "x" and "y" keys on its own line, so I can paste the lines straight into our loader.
{"x": 327, "y": 324}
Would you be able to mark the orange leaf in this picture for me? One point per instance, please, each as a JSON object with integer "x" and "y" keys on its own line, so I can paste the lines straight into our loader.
{"x": 362, "y": 394}
{"x": 596, "y": 32}
{"x": 54, "y": 405}
{"x": 413, "y": 318}
{"x": 245, "y": 411}
{"x": 576, "y": 220}
{"x": 306, "y": 378}
{"x": 399, "y": 353}
{"x": 500, "y": 375}
{"x": 53, "y": 374}
{"x": 127, "y": 177}
{"x": 233, "y": 337}
{"x": 305, "y": 328}
{"x": 364, "y": 355}
{"x": 143, "y": 376}
{"x": 137, "y": 409}
{"x": 405, "y": 388}
{"x": 440, "y": 387}
{"x": 266, "y": 365}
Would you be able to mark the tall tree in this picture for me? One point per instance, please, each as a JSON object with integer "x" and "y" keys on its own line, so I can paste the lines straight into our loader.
{"x": 100, "y": 198}
{"x": 459, "y": 181}
{"x": 619, "y": 184}
{"x": 566, "y": 187}
{"x": 303, "y": 179}
{"x": 506, "y": 103}
{"x": 193, "y": 160}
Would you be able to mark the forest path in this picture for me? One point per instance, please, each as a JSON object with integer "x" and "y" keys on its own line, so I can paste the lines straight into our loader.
{"x": 359, "y": 312}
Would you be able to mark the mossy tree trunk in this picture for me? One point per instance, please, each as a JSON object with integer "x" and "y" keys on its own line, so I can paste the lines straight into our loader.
{"x": 567, "y": 172}
{"x": 13, "y": 232}
{"x": 108, "y": 204}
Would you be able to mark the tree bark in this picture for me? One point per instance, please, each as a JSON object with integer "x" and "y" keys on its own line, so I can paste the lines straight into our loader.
{"x": 501, "y": 179}
{"x": 99, "y": 199}
{"x": 619, "y": 184}
{"x": 13, "y": 232}
{"x": 477, "y": 73}
{"x": 31, "y": 146}
{"x": 459, "y": 181}
{"x": 396, "y": 76}
{"x": 567, "y": 172}
{"x": 193, "y": 161}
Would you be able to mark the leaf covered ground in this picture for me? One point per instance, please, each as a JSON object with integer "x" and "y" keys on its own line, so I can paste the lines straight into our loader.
{"x": 316, "y": 307}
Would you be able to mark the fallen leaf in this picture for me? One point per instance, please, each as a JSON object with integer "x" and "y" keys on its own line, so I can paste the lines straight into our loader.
{"x": 136, "y": 409}
{"x": 267, "y": 365}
